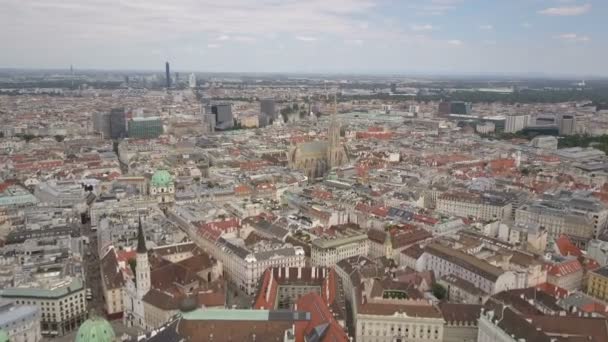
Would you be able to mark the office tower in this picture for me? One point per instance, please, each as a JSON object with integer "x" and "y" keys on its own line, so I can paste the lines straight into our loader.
{"x": 192, "y": 81}
{"x": 517, "y": 122}
{"x": 145, "y": 128}
{"x": 118, "y": 124}
{"x": 168, "y": 75}
{"x": 101, "y": 124}
{"x": 461, "y": 108}
{"x": 223, "y": 115}
{"x": 176, "y": 77}
{"x": 546, "y": 120}
{"x": 394, "y": 88}
{"x": 567, "y": 124}
{"x": 267, "y": 111}
{"x": 445, "y": 107}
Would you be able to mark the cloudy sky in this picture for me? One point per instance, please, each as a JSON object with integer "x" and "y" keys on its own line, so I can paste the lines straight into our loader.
{"x": 422, "y": 36}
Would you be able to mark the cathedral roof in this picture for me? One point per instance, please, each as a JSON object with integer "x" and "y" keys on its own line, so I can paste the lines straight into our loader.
{"x": 312, "y": 148}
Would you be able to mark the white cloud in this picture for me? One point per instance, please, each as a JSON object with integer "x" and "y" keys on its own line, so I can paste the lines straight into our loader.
{"x": 573, "y": 37}
{"x": 435, "y": 7}
{"x": 358, "y": 42}
{"x": 423, "y": 27}
{"x": 486, "y": 27}
{"x": 526, "y": 25}
{"x": 223, "y": 37}
{"x": 566, "y": 10}
{"x": 455, "y": 42}
{"x": 213, "y": 46}
{"x": 306, "y": 38}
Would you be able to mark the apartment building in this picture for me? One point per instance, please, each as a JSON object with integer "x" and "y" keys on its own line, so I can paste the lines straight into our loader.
{"x": 484, "y": 206}
{"x": 327, "y": 251}
{"x": 61, "y": 303}
{"x": 444, "y": 260}
{"x": 578, "y": 215}
{"x": 597, "y": 284}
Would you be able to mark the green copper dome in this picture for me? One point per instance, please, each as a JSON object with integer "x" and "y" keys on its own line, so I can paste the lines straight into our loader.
{"x": 95, "y": 329}
{"x": 3, "y": 336}
{"x": 161, "y": 179}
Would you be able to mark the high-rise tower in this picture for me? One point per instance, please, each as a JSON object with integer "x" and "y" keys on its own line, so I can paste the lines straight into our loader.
{"x": 168, "y": 74}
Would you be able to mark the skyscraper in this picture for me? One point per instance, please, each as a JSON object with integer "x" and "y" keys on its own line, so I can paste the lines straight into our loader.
{"x": 101, "y": 124}
{"x": 168, "y": 75}
{"x": 223, "y": 115}
{"x": 192, "y": 80}
{"x": 118, "y": 124}
{"x": 267, "y": 111}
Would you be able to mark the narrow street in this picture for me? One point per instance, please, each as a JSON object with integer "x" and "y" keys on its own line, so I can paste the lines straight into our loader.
{"x": 93, "y": 272}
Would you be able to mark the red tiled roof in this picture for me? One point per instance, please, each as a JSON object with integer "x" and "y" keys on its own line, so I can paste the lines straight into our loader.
{"x": 319, "y": 316}
{"x": 553, "y": 290}
{"x": 566, "y": 247}
{"x": 267, "y": 294}
{"x": 565, "y": 268}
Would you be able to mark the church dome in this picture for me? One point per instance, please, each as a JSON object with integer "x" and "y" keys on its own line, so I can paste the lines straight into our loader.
{"x": 188, "y": 304}
{"x": 3, "y": 336}
{"x": 161, "y": 179}
{"x": 95, "y": 329}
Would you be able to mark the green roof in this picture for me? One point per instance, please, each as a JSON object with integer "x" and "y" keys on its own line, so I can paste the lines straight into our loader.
{"x": 75, "y": 285}
{"x": 161, "y": 179}
{"x": 3, "y": 336}
{"x": 95, "y": 329}
{"x": 226, "y": 315}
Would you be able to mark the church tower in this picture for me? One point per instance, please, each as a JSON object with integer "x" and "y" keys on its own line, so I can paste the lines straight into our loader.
{"x": 142, "y": 267}
{"x": 335, "y": 151}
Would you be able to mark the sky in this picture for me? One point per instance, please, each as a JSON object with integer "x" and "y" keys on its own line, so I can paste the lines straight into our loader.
{"x": 554, "y": 37}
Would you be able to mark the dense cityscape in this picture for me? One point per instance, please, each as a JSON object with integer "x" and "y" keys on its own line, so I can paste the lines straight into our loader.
{"x": 303, "y": 171}
{"x": 162, "y": 207}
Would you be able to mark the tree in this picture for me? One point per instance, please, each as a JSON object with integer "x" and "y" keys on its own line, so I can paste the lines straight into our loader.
{"x": 439, "y": 291}
{"x": 59, "y": 138}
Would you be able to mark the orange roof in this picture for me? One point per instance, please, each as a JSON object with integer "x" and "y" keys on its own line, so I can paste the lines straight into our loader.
{"x": 553, "y": 290}
{"x": 268, "y": 292}
{"x": 565, "y": 268}
{"x": 566, "y": 247}
{"x": 321, "y": 320}
{"x": 124, "y": 256}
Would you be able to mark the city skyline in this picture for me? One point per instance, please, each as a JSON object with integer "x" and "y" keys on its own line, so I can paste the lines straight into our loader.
{"x": 338, "y": 36}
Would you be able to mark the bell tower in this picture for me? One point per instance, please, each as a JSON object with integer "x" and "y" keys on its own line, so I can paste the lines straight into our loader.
{"x": 142, "y": 268}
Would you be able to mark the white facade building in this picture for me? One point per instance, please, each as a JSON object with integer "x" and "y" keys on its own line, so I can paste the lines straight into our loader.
{"x": 392, "y": 322}
{"x": 327, "y": 252}
{"x": 62, "y": 304}
{"x": 490, "y": 279}
{"x": 517, "y": 122}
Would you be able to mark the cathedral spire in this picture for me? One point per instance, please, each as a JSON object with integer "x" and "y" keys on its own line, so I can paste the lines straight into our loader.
{"x": 141, "y": 240}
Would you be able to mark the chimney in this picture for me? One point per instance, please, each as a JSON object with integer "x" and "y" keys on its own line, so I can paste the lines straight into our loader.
{"x": 280, "y": 272}
{"x": 286, "y": 273}
{"x": 300, "y": 272}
